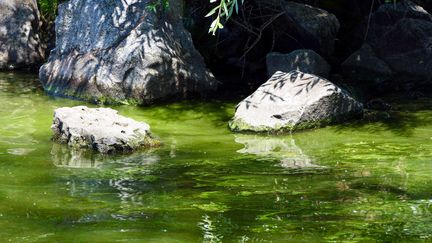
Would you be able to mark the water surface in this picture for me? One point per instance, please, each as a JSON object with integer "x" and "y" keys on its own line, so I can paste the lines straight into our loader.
{"x": 360, "y": 181}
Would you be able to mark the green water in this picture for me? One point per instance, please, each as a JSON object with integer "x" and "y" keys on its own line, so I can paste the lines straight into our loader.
{"x": 356, "y": 182}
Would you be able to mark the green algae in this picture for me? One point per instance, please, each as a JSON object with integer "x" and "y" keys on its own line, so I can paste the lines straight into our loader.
{"x": 240, "y": 126}
{"x": 371, "y": 181}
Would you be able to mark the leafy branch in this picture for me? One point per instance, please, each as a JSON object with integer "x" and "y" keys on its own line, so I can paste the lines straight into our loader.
{"x": 158, "y": 4}
{"x": 223, "y": 10}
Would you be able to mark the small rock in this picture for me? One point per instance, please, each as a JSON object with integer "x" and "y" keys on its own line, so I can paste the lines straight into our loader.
{"x": 376, "y": 115}
{"x": 101, "y": 129}
{"x": 307, "y": 61}
{"x": 294, "y": 101}
{"x": 378, "y": 104}
{"x": 416, "y": 95}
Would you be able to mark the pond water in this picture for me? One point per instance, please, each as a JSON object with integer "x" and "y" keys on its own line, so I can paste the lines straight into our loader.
{"x": 360, "y": 181}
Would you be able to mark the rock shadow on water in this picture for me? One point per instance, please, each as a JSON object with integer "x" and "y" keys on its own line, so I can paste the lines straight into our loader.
{"x": 282, "y": 148}
{"x": 63, "y": 156}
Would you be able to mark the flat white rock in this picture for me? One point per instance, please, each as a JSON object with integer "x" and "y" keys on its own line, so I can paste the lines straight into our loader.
{"x": 101, "y": 129}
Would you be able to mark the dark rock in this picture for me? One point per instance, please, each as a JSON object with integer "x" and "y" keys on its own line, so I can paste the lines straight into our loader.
{"x": 376, "y": 115}
{"x": 294, "y": 101}
{"x": 399, "y": 36}
{"x": 238, "y": 52}
{"x": 416, "y": 95}
{"x": 407, "y": 49}
{"x": 20, "y": 45}
{"x": 123, "y": 52}
{"x": 378, "y": 104}
{"x": 317, "y": 24}
{"x": 364, "y": 65}
{"x": 387, "y": 15}
{"x": 306, "y": 61}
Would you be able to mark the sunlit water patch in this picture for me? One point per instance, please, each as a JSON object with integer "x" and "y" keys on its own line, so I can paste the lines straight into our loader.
{"x": 353, "y": 182}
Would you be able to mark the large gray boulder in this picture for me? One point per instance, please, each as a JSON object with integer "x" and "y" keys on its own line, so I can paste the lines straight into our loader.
{"x": 20, "y": 45}
{"x": 399, "y": 35}
{"x": 294, "y": 101}
{"x": 121, "y": 51}
{"x": 307, "y": 61}
{"x": 100, "y": 129}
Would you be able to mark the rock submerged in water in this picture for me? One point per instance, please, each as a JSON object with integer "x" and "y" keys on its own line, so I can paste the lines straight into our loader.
{"x": 100, "y": 129}
{"x": 294, "y": 101}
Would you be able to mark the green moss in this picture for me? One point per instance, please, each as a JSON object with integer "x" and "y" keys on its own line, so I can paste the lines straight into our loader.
{"x": 104, "y": 100}
{"x": 238, "y": 125}
{"x": 150, "y": 141}
{"x": 212, "y": 207}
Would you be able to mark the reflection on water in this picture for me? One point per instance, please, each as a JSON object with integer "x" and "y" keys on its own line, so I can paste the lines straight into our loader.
{"x": 20, "y": 151}
{"x": 209, "y": 229}
{"x": 64, "y": 156}
{"x": 17, "y": 113}
{"x": 283, "y": 148}
{"x": 127, "y": 176}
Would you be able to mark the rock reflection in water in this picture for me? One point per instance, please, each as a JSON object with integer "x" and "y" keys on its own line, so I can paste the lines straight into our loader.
{"x": 63, "y": 156}
{"x": 282, "y": 148}
{"x": 124, "y": 177}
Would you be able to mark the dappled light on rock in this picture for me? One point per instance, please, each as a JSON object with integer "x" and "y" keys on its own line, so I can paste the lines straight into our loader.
{"x": 123, "y": 52}
{"x": 306, "y": 61}
{"x": 294, "y": 101}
